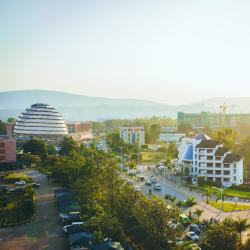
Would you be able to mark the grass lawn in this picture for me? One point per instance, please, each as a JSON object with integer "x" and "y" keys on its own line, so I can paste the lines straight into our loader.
{"x": 228, "y": 207}
{"x": 228, "y": 192}
{"x": 151, "y": 156}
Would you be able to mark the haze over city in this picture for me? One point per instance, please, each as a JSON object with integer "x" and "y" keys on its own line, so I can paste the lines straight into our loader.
{"x": 175, "y": 52}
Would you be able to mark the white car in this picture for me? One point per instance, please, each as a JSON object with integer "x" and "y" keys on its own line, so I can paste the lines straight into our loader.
{"x": 157, "y": 186}
{"x": 65, "y": 228}
{"x": 153, "y": 180}
{"x": 192, "y": 236}
{"x": 148, "y": 183}
{"x": 21, "y": 182}
{"x": 137, "y": 189}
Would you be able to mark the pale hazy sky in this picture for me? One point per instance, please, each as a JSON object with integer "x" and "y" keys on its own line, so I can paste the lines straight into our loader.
{"x": 173, "y": 51}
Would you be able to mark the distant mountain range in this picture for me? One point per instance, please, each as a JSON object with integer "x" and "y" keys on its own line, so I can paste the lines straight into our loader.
{"x": 79, "y": 107}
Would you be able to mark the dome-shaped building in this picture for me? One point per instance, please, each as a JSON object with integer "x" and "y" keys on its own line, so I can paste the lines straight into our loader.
{"x": 40, "y": 121}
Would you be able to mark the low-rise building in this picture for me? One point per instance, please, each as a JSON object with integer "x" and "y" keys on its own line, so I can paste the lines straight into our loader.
{"x": 133, "y": 135}
{"x": 7, "y": 151}
{"x": 171, "y": 137}
{"x": 210, "y": 159}
{"x": 80, "y": 131}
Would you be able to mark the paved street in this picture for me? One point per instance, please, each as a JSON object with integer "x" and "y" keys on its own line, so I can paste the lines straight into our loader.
{"x": 45, "y": 231}
{"x": 173, "y": 187}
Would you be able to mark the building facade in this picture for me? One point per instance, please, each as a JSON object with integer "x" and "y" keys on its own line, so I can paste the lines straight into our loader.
{"x": 171, "y": 137}
{"x": 207, "y": 119}
{"x": 40, "y": 121}
{"x": 133, "y": 135}
{"x": 80, "y": 131}
{"x": 7, "y": 150}
{"x": 210, "y": 159}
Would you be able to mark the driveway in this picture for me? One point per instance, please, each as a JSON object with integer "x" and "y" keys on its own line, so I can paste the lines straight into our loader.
{"x": 45, "y": 232}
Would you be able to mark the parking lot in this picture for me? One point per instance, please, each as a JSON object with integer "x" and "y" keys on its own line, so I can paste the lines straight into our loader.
{"x": 45, "y": 231}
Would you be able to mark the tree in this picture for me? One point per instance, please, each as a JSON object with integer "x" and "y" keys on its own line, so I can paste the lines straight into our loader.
{"x": 241, "y": 225}
{"x": 220, "y": 236}
{"x": 11, "y": 119}
{"x": 207, "y": 194}
{"x": 180, "y": 204}
{"x": 190, "y": 202}
{"x": 198, "y": 212}
{"x": 35, "y": 147}
{"x": 170, "y": 198}
{"x": 227, "y": 136}
{"x": 68, "y": 145}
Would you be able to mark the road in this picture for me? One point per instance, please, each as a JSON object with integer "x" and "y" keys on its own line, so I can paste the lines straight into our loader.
{"x": 173, "y": 187}
{"x": 45, "y": 232}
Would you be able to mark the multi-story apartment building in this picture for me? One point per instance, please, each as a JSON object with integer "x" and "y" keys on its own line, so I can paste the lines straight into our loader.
{"x": 7, "y": 151}
{"x": 133, "y": 135}
{"x": 207, "y": 119}
{"x": 80, "y": 131}
{"x": 210, "y": 159}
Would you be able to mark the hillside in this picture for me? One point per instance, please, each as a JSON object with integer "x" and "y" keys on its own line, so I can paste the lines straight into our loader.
{"x": 79, "y": 107}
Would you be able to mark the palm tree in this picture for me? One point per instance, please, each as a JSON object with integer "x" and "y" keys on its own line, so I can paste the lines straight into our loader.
{"x": 207, "y": 194}
{"x": 170, "y": 198}
{"x": 241, "y": 225}
{"x": 190, "y": 202}
{"x": 198, "y": 212}
{"x": 179, "y": 204}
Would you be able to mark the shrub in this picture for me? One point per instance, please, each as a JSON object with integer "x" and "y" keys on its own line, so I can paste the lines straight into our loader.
{"x": 11, "y": 178}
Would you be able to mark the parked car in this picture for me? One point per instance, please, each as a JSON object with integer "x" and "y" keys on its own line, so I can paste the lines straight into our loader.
{"x": 157, "y": 186}
{"x": 141, "y": 177}
{"x": 192, "y": 236}
{"x": 74, "y": 224}
{"x": 153, "y": 180}
{"x": 17, "y": 190}
{"x": 35, "y": 185}
{"x": 148, "y": 183}
{"x": 3, "y": 188}
{"x": 195, "y": 228}
{"x": 20, "y": 182}
{"x": 138, "y": 171}
{"x": 137, "y": 189}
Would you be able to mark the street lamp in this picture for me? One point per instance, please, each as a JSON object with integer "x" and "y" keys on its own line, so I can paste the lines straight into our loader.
{"x": 221, "y": 193}
{"x": 121, "y": 148}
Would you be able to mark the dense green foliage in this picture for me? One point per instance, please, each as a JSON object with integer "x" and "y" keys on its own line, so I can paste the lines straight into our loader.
{"x": 110, "y": 206}
{"x": 16, "y": 208}
{"x": 35, "y": 147}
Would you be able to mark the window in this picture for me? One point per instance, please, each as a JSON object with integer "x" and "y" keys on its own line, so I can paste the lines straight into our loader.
{"x": 217, "y": 171}
{"x": 210, "y": 164}
{"x": 234, "y": 171}
{"x": 210, "y": 178}
{"x": 210, "y": 151}
{"x": 226, "y": 179}
{"x": 218, "y": 165}
{"x": 2, "y": 151}
{"x": 217, "y": 158}
{"x": 234, "y": 178}
{"x": 226, "y": 172}
{"x": 210, "y": 171}
{"x": 209, "y": 158}
{"x": 226, "y": 165}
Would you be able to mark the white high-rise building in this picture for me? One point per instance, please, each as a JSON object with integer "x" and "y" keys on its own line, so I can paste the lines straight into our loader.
{"x": 133, "y": 135}
{"x": 40, "y": 121}
{"x": 210, "y": 159}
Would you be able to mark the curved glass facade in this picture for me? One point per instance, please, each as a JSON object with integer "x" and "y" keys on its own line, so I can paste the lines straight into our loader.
{"x": 42, "y": 121}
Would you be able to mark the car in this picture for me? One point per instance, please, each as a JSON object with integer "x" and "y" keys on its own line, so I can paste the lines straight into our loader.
{"x": 161, "y": 167}
{"x": 157, "y": 186}
{"x": 137, "y": 189}
{"x": 35, "y": 185}
{"x": 72, "y": 229}
{"x": 79, "y": 224}
{"x": 17, "y": 190}
{"x": 153, "y": 180}
{"x": 192, "y": 236}
{"x": 138, "y": 171}
{"x": 3, "y": 188}
{"x": 195, "y": 228}
{"x": 148, "y": 183}
{"x": 20, "y": 182}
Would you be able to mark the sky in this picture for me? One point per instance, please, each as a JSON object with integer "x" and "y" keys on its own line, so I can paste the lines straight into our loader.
{"x": 170, "y": 51}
